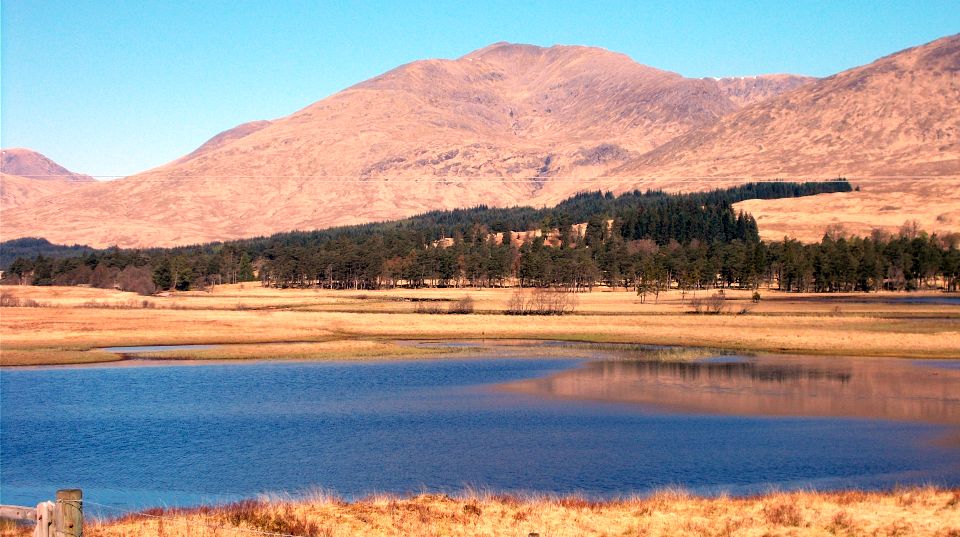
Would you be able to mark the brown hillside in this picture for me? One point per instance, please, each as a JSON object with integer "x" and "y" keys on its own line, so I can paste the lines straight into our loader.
{"x": 895, "y": 116}
{"x": 522, "y": 124}
{"x": 29, "y": 163}
{"x": 888, "y": 123}
{"x": 750, "y": 89}
{"x": 28, "y": 176}
{"x": 502, "y": 125}
{"x": 16, "y": 190}
{"x": 226, "y": 137}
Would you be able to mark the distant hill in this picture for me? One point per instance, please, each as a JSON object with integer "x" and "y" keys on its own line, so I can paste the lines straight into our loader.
{"x": 498, "y": 126}
{"x": 519, "y": 124}
{"x": 894, "y": 123}
{"x": 28, "y": 176}
{"x": 226, "y": 137}
{"x": 29, "y": 163}
{"x": 30, "y": 247}
{"x": 895, "y": 116}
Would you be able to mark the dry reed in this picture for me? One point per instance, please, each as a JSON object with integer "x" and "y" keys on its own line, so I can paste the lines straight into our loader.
{"x": 918, "y": 511}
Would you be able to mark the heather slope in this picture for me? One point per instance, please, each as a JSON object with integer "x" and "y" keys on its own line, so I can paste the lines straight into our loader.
{"x": 895, "y": 116}
{"x": 28, "y": 176}
{"x": 16, "y": 190}
{"x": 502, "y": 125}
{"x": 892, "y": 125}
{"x": 520, "y": 124}
{"x": 29, "y": 163}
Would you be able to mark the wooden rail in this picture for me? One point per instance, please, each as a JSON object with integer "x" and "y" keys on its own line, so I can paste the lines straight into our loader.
{"x": 52, "y": 519}
{"x": 16, "y": 512}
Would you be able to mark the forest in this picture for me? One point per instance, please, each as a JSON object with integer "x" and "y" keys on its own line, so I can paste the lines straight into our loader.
{"x": 646, "y": 241}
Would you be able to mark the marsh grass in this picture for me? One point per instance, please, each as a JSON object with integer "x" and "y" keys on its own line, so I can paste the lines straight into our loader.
{"x": 68, "y": 332}
{"x": 673, "y": 512}
{"x": 54, "y": 356}
{"x": 633, "y": 351}
{"x": 337, "y": 349}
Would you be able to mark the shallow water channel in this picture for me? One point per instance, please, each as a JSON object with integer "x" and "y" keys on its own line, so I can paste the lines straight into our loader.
{"x": 510, "y": 418}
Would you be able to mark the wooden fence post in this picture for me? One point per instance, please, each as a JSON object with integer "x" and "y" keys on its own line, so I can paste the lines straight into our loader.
{"x": 44, "y": 514}
{"x": 68, "y": 518}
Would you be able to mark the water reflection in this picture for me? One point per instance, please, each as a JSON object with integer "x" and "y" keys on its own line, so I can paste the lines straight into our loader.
{"x": 768, "y": 385}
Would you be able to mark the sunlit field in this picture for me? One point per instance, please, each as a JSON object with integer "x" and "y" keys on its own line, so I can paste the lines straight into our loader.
{"x": 925, "y": 511}
{"x": 71, "y": 324}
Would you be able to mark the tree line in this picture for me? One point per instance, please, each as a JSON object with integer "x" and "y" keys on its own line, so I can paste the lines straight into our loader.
{"x": 646, "y": 241}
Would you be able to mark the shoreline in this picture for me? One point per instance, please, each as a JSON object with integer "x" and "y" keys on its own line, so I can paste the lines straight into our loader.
{"x": 338, "y": 323}
{"x": 197, "y": 357}
{"x": 903, "y": 511}
{"x": 173, "y": 356}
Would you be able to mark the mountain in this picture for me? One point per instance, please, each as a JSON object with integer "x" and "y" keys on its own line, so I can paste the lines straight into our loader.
{"x": 895, "y": 116}
{"x": 511, "y": 124}
{"x": 28, "y": 176}
{"x": 29, "y": 163}
{"x": 893, "y": 124}
{"x": 225, "y": 137}
{"x": 501, "y": 125}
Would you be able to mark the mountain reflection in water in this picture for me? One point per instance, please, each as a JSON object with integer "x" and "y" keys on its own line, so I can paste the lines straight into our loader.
{"x": 768, "y": 385}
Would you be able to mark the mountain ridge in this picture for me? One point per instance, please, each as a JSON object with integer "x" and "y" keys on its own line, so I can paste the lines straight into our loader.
{"x": 27, "y": 176}
{"x": 503, "y": 125}
{"x": 29, "y": 163}
{"x": 757, "y": 120}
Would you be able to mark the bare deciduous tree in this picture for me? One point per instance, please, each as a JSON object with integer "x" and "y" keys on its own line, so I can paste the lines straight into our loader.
{"x": 543, "y": 301}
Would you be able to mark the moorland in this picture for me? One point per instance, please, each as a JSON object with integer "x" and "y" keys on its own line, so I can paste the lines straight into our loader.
{"x": 58, "y": 325}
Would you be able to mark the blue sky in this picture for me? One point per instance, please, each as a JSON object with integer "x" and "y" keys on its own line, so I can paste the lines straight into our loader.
{"x": 115, "y": 87}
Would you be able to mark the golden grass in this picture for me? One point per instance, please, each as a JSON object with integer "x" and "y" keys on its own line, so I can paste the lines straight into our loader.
{"x": 54, "y": 356}
{"x": 341, "y": 349}
{"x": 602, "y": 301}
{"x": 933, "y": 204}
{"x": 917, "y": 511}
{"x": 852, "y": 324}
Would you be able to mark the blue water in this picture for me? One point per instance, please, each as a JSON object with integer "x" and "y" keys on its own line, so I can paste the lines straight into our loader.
{"x": 144, "y": 436}
{"x": 944, "y": 300}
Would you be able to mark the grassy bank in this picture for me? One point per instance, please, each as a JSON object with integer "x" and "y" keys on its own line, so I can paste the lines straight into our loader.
{"x": 343, "y": 349}
{"x": 925, "y": 511}
{"x": 72, "y": 323}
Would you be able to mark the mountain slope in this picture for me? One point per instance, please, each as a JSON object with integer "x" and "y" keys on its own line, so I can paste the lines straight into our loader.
{"x": 28, "y": 163}
{"x": 498, "y": 126}
{"x": 28, "y": 176}
{"x": 895, "y": 116}
{"x": 225, "y": 137}
{"x": 512, "y": 124}
{"x": 894, "y": 125}
{"x": 16, "y": 190}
